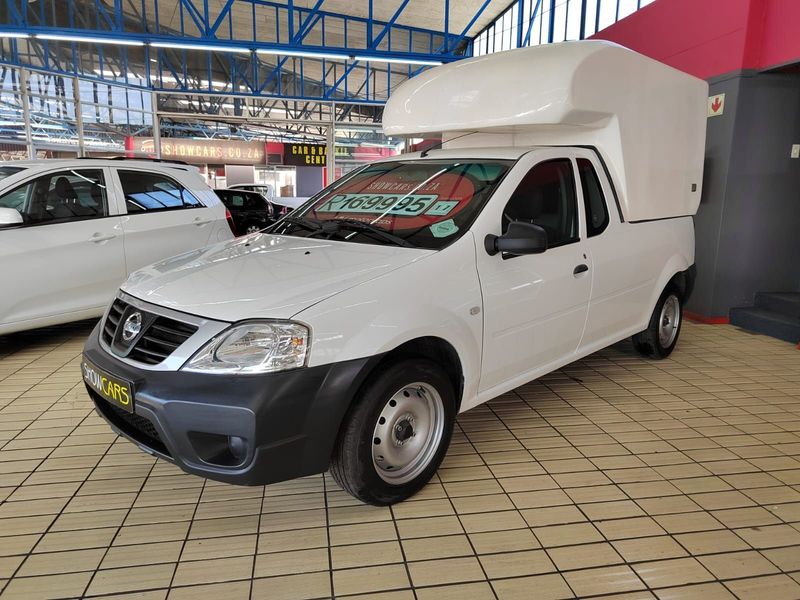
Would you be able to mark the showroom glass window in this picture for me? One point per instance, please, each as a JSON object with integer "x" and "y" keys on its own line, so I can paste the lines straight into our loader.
{"x": 148, "y": 192}
{"x": 594, "y": 203}
{"x": 70, "y": 195}
{"x": 546, "y": 197}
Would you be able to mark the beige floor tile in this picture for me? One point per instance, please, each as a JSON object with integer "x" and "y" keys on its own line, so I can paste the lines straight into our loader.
{"x": 51, "y": 563}
{"x": 291, "y": 563}
{"x": 363, "y": 555}
{"x": 234, "y": 590}
{"x": 431, "y": 548}
{"x": 567, "y": 535}
{"x": 584, "y": 556}
{"x": 47, "y": 586}
{"x": 293, "y": 587}
{"x": 447, "y": 570}
{"x": 688, "y": 522}
{"x": 733, "y": 565}
{"x": 548, "y": 587}
{"x": 426, "y": 527}
{"x": 703, "y": 591}
{"x": 516, "y": 564}
{"x": 370, "y": 579}
{"x": 504, "y": 541}
{"x": 635, "y": 527}
{"x": 129, "y": 579}
{"x": 772, "y": 536}
{"x": 221, "y": 547}
{"x": 787, "y": 559}
{"x": 759, "y": 588}
{"x": 141, "y": 554}
{"x": 460, "y": 591}
{"x": 603, "y": 580}
{"x": 214, "y": 570}
{"x": 673, "y": 572}
{"x": 710, "y": 542}
{"x": 650, "y": 548}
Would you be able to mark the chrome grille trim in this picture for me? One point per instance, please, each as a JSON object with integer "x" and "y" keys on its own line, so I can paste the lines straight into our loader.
{"x": 206, "y": 329}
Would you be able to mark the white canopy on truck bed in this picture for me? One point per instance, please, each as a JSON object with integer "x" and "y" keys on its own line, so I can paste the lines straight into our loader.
{"x": 647, "y": 120}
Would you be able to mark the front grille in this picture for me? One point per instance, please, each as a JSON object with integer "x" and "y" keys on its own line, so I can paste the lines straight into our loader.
{"x": 112, "y": 320}
{"x": 136, "y": 427}
{"x": 160, "y": 337}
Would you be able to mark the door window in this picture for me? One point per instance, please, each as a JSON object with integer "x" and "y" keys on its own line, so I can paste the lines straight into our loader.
{"x": 593, "y": 200}
{"x": 546, "y": 197}
{"x": 70, "y": 195}
{"x": 253, "y": 202}
{"x": 148, "y": 192}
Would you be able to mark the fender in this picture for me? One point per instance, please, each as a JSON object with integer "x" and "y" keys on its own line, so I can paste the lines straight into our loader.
{"x": 379, "y": 315}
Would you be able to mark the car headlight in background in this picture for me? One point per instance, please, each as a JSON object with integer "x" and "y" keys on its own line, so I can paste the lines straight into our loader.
{"x": 254, "y": 347}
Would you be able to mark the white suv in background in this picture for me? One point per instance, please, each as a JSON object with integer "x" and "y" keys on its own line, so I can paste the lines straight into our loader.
{"x": 72, "y": 230}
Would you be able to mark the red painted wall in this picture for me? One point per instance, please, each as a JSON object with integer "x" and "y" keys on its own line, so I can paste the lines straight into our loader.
{"x": 711, "y": 37}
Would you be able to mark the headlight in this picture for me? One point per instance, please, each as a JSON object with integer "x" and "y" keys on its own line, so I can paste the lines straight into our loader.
{"x": 256, "y": 347}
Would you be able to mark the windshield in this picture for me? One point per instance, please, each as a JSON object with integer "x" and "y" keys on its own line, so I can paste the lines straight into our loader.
{"x": 413, "y": 203}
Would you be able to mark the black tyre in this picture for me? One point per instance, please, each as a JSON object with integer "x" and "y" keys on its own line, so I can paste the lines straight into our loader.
{"x": 396, "y": 433}
{"x": 661, "y": 335}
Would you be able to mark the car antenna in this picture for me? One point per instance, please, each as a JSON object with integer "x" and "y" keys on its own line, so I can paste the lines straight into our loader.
{"x": 424, "y": 153}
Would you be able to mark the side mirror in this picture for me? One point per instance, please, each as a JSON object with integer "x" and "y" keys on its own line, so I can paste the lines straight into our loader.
{"x": 520, "y": 238}
{"x": 10, "y": 217}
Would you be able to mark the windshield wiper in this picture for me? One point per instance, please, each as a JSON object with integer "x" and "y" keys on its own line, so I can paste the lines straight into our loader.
{"x": 306, "y": 224}
{"x": 367, "y": 228}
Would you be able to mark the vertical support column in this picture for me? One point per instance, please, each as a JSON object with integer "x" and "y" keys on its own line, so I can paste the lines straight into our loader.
{"x": 582, "y": 34}
{"x": 26, "y": 112}
{"x": 76, "y": 96}
{"x": 156, "y": 125}
{"x": 331, "y": 147}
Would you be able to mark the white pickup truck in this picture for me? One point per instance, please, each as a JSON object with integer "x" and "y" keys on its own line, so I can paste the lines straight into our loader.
{"x": 556, "y": 220}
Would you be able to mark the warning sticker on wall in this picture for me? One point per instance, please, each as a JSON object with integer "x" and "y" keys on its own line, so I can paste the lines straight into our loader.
{"x": 716, "y": 105}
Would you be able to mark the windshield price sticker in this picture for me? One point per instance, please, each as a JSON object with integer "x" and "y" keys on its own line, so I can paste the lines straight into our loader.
{"x": 402, "y": 205}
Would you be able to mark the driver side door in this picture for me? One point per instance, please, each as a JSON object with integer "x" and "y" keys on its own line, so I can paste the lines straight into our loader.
{"x": 534, "y": 306}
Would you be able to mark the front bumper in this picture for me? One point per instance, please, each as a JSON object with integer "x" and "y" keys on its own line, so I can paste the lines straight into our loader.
{"x": 287, "y": 422}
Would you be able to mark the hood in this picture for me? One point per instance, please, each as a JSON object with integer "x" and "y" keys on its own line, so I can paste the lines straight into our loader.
{"x": 263, "y": 276}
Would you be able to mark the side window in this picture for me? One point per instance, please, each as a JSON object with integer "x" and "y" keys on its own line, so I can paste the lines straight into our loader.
{"x": 546, "y": 197}
{"x": 147, "y": 192}
{"x": 59, "y": 197}
{"x": 593, "y": 200}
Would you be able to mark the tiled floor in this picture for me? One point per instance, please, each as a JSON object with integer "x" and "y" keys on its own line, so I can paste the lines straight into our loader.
{"x": 616, "y": 476}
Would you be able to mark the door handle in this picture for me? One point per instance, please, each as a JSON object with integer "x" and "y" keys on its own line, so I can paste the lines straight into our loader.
{"x": 582, "y": 268}
{"x": 200, "y": 221}
{"x": 99, "y": 237}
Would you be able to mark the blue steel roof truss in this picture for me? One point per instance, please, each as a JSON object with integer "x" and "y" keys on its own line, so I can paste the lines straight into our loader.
{"x": 276, "y": 72}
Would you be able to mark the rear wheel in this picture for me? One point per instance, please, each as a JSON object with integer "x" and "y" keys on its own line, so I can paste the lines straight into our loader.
{"x": 252, "y": 228}
{"x": 661, "y": 335}
{"x": 396, "y": 433}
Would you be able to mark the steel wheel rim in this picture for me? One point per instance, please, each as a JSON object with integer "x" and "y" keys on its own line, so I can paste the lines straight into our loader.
{"x": 669, "y": 321}
{"x": 408, "y": 433}
{"x": 253, "y": 229}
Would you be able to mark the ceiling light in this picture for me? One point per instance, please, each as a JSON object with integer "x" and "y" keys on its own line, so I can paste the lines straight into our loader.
{"x": 303, "y": 54}
{"x": 404, "y": 61}
{"x": 179, "y": 46}
{"x": 13, "y": 34}
{"x": 88, "y": 40}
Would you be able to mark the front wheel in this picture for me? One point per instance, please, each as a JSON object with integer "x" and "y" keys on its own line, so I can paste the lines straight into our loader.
{"x": 661, "y": 335}
{"x": 396, "y": 433}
